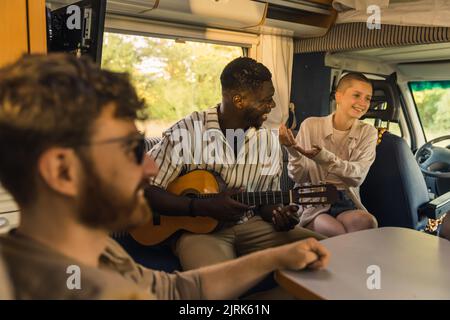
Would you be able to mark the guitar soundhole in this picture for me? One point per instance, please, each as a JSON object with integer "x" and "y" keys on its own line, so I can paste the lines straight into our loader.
{"x": 191, "y": 193}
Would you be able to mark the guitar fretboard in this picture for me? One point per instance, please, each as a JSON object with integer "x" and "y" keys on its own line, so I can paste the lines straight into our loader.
{"x": 257, "y": 198}
{"x": 263, "y": 197}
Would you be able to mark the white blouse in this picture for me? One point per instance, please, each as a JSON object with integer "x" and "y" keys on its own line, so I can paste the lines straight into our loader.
{"x": 343, "y": 161}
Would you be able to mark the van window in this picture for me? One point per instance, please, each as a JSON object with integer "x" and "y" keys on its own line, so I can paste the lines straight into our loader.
{"x": 432, "y": 99}
{"x": 174, "y": 77}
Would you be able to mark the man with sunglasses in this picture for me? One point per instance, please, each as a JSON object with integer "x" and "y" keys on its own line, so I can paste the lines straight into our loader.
{"x": 73, "y": 160}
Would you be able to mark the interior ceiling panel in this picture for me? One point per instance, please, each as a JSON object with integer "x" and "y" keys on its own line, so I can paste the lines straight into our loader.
{"x": 298, "y": 18}
{"x": 303, "y": 18}
{"x": 426, "y": 52}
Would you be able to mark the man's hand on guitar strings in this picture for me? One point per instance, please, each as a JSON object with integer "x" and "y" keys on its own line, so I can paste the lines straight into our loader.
{"x": 222, "y": 207}
{"x": 285, "y": 218}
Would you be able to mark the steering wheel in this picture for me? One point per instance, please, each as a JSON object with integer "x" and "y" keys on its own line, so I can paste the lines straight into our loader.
{"x": 434, "y": 161}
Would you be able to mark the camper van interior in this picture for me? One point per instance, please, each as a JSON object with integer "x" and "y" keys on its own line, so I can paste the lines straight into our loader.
{"x": 175, "y": 51}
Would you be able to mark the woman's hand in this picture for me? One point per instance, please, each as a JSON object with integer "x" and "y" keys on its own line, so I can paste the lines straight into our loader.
{"x": 308, "y": 153}
{"x": 287, "y": 139}
{"x": 286, "y": 136}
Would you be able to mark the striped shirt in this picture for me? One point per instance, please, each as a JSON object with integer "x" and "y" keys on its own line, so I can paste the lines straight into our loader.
{"x": 197, "y": 143}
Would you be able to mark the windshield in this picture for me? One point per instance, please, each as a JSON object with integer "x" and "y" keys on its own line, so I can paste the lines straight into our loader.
{"x": 432, "y": 99}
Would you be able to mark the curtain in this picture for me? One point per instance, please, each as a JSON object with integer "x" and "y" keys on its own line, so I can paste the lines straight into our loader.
{"x": 276, "y": 52}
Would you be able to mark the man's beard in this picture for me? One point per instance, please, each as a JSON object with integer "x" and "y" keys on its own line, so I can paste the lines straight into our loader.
{"x": 254, "y": 119}
{"x": 102, "y": 206}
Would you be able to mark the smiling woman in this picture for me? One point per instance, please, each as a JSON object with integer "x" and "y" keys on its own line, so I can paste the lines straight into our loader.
{"x": 337, "y": 149}
{"x": 175, "y": 78}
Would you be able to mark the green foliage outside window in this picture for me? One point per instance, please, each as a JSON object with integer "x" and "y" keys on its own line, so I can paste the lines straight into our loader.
{"x": 174, "y": 78}
{"x": 432, "y": 100}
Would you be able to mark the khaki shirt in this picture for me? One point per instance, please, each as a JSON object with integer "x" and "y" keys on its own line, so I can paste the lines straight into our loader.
{"x": 38, "y": 272}
{"x": 349, "y": 161}
{"x": 5, "y": 288}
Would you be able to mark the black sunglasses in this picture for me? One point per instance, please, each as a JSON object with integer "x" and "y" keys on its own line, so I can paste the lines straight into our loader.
{"x": 138, "y": 149}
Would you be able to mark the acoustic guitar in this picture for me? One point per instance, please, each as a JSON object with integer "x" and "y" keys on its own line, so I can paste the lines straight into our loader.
{"x": 204, "y": 184}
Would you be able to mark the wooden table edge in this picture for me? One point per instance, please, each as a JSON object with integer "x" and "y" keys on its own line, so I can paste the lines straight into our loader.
{"x": 294, "y": 288}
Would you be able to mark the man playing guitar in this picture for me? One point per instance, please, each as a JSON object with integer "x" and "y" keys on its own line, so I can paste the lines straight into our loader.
{"x": 206, "y": 141}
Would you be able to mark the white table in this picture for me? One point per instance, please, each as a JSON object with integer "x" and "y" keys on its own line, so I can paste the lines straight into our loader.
{"x": 412, "y": 264}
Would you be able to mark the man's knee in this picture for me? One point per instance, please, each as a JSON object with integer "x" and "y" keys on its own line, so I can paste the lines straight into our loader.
{"x": 304, "y": 233}
{"x": 197, "y": 242}
{"x": 185, "y": 241}
{"x": 198, "y": 250}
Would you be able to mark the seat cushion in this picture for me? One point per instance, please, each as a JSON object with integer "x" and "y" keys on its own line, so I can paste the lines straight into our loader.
{"x": 394, "y": 188}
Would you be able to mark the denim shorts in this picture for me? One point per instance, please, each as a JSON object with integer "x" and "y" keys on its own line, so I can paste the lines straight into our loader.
{"x": 344, "y": 203}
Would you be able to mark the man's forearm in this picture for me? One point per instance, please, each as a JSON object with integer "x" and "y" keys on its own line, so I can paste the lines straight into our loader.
{"x": 245, "y": 272}
{"x": 166, "y": 203}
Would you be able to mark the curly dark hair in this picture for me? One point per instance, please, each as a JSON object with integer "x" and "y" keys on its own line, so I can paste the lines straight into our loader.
{"x": 53, "y": 100}
{"x": 243, "y": 74}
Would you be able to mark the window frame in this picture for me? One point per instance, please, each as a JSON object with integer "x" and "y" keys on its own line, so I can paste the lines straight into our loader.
{"x": 151, "y": 28}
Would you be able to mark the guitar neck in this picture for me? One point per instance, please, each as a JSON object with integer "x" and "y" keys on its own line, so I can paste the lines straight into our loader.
{"x": 263, "y": 198}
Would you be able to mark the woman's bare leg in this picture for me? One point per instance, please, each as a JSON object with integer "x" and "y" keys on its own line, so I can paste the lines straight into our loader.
{"x": 326, "y": 225}
{"x": 355, "y": 220}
